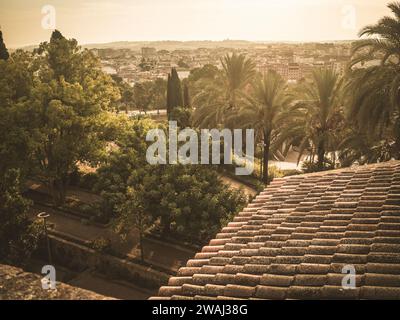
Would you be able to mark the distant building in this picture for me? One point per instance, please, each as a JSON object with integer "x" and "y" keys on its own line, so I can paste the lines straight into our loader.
{"x": 280, "y": 68}
{"x": 294, "y": 72}
{"x": 307, "y": 70}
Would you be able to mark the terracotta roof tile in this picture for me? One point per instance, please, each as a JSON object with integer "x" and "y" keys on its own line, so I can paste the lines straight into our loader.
{"x": 337, "y": 292}
{"x": 372, "y": 292}
{"x": 294, "y": 240}
{"x": 239, "y": 291}
{"x": 266, "y": 292}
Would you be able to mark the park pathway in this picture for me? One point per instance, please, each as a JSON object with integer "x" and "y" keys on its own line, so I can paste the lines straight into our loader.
{"x": 157, "y": 253}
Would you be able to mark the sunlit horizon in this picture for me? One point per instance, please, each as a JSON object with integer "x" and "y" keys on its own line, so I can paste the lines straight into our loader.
{"x": 104, "y": 21}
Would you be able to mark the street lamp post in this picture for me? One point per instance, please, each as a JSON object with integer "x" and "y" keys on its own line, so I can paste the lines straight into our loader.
{"x": 44, "y": 216}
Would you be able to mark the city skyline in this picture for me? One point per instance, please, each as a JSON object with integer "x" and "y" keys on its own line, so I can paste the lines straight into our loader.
{"x": 106, "y": 21}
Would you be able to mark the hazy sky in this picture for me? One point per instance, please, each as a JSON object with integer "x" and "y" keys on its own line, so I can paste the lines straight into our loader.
{"x": 96, "y": 21}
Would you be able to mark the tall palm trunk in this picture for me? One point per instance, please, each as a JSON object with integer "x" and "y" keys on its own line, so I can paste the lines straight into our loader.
{"x": 267, "y": 145}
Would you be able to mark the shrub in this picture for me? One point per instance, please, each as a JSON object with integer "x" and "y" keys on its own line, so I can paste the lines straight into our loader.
{"x": 101, "y": 245}
{"x": 274, "y": 172}
{"x": 309, "y": 166}
{"x": 88, "y": 180}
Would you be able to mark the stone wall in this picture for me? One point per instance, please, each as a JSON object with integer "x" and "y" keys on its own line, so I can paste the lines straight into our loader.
{"x": 79, "y": 257}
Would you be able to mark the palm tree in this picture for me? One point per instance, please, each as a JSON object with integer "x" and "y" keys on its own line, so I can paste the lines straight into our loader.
{"x": 357, "y": 147}
{"x": 314, "y": 122}
{"x": 223, "y": 93}
{"x": 375, "y": 89}
{"x": 264, "y": 111}
{"x": 238, "y": 72}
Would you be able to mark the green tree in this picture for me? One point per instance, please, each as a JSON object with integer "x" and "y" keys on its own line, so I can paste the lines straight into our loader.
{"x": 265, "y": 111}
{"x": 68, "y": 109}
{"x": 3, "y": 49}
{"x": 238, "y": 71}
{"x": 200, "y": 78}
{"x": 359, "y": 147}
{"x": 374, "y": 90}
{"x": 122, "y": 162}
{"x": 126, "y": 93}
{"x": 143, "y": 95}
{"x": 159, "y": 94}
{"x": 18, "y": 235}
{"x": 185, "y": 201}
{"x": 182, "y": 116}
{"x": 208, "y": 71}
{"x": 174, "y": 91}
{"x": 190, "y": 202}
{"x": 221, "y": 96}
{"x": 316, "y": 120}
{"x": 132, "y": 213}
{"x": 16, "y": 81}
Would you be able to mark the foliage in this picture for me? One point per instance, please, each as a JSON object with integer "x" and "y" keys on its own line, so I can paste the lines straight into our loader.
{"x": 142, "y": 92}
{"x": 132, "y": 213}
{"x": 374, "y": 91}
{"x": 174, "y": 91}
{"x": 4, "y": 55}
{"x": 274, "y": 172}
{"x": 88, "y": 180}
{"x": 126, "y": 92}
{"x": 290, "y": 172}
{"x": 238, "y": 71}
{"x": 316, "y": 121}
{"x": 221, "y": 95}
{"x": 182, "y": 116}
{"x": 310, "y": 166}
{"x": 189, "y": 202}
{"x": 359, "y": 147}
{"x": 159, "y": 94}
{"x": 121, "y": 163}
{"x": 68, "y": 102}
{"x": 16, "y": 145}
{"x": 18, "y": 235}
{"x": 264, "y": 110}
{"x": 101, "y": 245}
{"x": 208, "y": 71}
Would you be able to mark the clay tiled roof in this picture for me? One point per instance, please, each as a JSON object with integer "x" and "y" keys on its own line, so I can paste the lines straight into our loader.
{"x": 295, "y": 238}
{"x": 15, "y": 284}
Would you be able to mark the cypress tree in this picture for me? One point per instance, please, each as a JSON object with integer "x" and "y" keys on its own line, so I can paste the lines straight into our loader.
{"x": 174, "y": 91}
{"x": 3, "y": 49}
